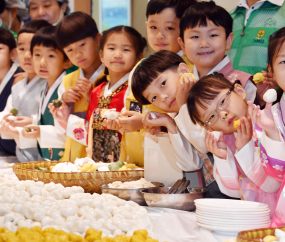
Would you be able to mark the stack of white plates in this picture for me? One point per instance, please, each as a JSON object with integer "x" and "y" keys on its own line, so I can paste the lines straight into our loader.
{"x": 232, "y": 216}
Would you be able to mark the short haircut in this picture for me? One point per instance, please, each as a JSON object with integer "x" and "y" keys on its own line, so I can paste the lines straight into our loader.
{"x": 139, "y": 42}
{"x": 157, "y": 6}
{"x": 2, "y": 6}
{"x": 205, "y": 91}
{"x": 199, "y": 13}
{"x": 7, "y": 38}
{"x": 276, "y": 40}
{"x": 75, "y": 27}
{"x": 149, "y": 69}
{"x": 33, "y": 26}
{"x": 46, "y": 37}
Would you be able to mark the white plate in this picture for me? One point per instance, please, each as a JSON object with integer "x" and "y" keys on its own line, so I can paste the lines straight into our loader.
{"x": 247, "y": 218}
{"x": 235, "y": 223}
{"x": 229, "y": 229}
{"x": 230, "y": 204}
{"x": 230, "y": 214}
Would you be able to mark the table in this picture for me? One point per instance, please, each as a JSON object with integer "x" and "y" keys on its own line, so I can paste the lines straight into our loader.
{"x": 167, "y": 224}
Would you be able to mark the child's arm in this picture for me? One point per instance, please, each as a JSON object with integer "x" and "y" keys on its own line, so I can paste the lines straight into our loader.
{"x": 61, "y": 114}
{"x": 248, "y": 158}
{"x": 194, "y": 133}
{"x": 225, "y": 171}
{"x": 162, "y": 119}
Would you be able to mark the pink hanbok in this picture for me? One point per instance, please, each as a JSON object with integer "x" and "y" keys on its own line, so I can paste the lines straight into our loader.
{"x": 242, "y": 174}
{"x": 276, "y": 167}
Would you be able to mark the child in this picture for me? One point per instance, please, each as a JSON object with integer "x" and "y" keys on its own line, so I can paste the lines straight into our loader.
{"x": 49, "y": 62}
{"x": 275, "y": 168}
{"x": 215, "y": 103}
{"x": 78, "y": 36}
{"x": 25, "y": 94}
{"x": 205, "y": 36}
{"x": 8, "y": 54}
{"x": 163, "y": 18}
{"x": 157, "y": 80}
{"x": 121, "y": 48}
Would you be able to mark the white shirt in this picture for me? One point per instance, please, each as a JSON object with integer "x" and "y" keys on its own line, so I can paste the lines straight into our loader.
{"x": 249, "y": 10}
{"x": 180, "y": 53}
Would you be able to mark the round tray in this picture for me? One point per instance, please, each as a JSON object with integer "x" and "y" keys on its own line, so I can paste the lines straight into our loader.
{"x": 256, "y": 235}
{"x": 89, "y": 181}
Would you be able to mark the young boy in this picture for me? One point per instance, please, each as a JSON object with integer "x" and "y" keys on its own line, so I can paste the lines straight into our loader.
{"x": 8, "y": 69}
{"x": 78, "y": 36}
{"x": 158, "y": 80}
{"x": 163, "y": 18}
{"x": 21, "y": 94}
{"x": 49, "y": 62}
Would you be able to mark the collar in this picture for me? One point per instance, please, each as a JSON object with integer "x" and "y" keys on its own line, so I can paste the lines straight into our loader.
{"x": 8, "y": 76}
{"x": 243, "y": 3}
{"x": 108, "y": 91}
{"x": 95, "y": 75}
{"x": 46, "y": 96}
{"x": 180, "y": 53}
{"x": 217, "y": 68}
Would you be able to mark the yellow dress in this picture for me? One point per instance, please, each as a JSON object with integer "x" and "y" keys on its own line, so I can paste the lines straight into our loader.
{"x": 74, "y": 149}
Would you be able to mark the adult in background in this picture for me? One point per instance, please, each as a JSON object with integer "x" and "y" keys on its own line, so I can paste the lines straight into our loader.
{"x": 13, "y": 14}
{"x": 253, "y": 22}
{"x": 49, "y": 10}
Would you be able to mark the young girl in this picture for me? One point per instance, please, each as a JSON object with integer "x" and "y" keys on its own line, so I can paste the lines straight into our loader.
{"x": 275, "y": 168}
{"x": 121, "y": 48}
{"x": 238, "y": 169}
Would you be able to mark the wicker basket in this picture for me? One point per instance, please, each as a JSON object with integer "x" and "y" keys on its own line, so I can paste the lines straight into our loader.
{"x": 256, "y": 235}
{"x": 89, "y": 181}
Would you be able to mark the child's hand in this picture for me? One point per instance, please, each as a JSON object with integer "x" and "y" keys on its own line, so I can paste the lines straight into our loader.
{"x": 130, "y": 121}
{"x": 35, "y": 133}
{"x": 72, "y": 95}
{"x": 244, "y": 132}
{"x": 218, "y": 148}
{"x": 264, "y": 119}
{"x": 85, "y": 87}
{"x": 262, "y": 87}
{"x": 111, "y": 124}
{"x": 7, "y": 129}
{"x": 19, "y": 77}
{"x": 21, "y": 121}
{"x": 61, "y": 114}
{"x": 153, "y": 126}
{"x": 269, "y": 79}
{"x": 184, "y": 88}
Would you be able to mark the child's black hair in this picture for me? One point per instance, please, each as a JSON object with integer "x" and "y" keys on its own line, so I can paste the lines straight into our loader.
{"x": 157, "y": 6}
{"x": 46, "y": 37}
{"x": 75, "y": 27}
{"x": 139, "y": 42}
{"x": 199, "y": 13}
{"x": 6, "y": 38}
{"x": 149, "y": 69}
{"x": 276, "y": 40}
{"x": 204, "y": 92}
{"x": 33, "y": 26}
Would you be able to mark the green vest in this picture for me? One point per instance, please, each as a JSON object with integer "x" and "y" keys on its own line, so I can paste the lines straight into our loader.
{"x": 47, "y": 119}
{"x": 249, "y": 52}
{"x": 71, "y": 69}
{"x": 13, "y": 33}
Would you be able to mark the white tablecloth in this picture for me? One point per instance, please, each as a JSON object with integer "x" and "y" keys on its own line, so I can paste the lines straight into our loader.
{"x": 168, "y": 224}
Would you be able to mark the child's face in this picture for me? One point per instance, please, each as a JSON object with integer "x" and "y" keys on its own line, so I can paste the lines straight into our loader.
{"x": 48, "y": 63}
{"x": 24, "y": 52}
{"x": 206, "y": 46}
{"x": 84, "y": 53}
{"x": 118, "y": 53}
{"x": 163, "y": 90}
{"x": 163, "y": 31}
{"x": 48, "y": 10}
{"x": 5, "y": 57}
{"x": 224, "y": 110}
{"x": 279, "y": 67}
